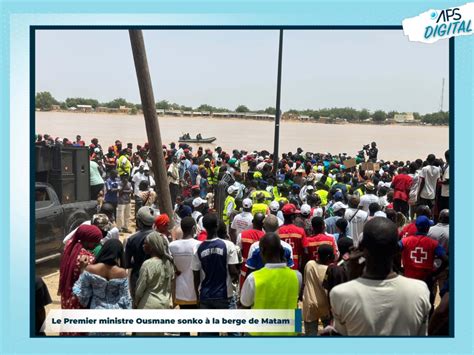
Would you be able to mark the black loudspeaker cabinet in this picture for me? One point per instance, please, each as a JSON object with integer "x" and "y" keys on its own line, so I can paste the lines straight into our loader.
{"x": 63, "y": 161}
{"x": 43, "y": 158}
{"x": 82, "y": 173}
{"x": 64, "y": 186}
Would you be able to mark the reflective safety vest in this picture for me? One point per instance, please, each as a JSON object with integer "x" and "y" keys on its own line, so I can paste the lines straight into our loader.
{"x": 268, "y": 196}
{"x": 276, "y": 288}
{"x": 323, "y": 195}
{"x": 259, "y": 208}
{"x": 359, "y": 192}
{"x": 329, "y": 182}
{"x": 275, "y": 192}
{"x": 123, "y": 165}
{"x": 213, "y": 179}
{"x": 227, "y": 201}
{"x": 281, "y": 198}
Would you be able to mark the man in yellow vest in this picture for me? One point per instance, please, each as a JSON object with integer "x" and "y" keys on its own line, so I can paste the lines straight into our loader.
{"x": 260, "y": 206}
{"x": 230, "y": 208}
{"x": 123, "y": 163}
{"x": 275, "y": 286}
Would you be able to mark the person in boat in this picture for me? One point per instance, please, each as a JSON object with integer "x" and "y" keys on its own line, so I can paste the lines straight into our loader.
{"x": 199, "y": 136}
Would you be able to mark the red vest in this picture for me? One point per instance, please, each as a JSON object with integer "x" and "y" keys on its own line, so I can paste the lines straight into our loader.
{"x": 294, "y": 236}
{"x": 312, "y": 244}
{"x": 247, "y": 238}
{"x": 418, "y": 256}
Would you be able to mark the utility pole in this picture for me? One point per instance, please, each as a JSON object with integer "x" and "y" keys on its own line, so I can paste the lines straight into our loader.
{"x": 276, "y": 140}
{"x": 151, "y": 122}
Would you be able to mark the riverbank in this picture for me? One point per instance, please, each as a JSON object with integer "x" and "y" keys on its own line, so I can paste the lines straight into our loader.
{"x": 253, "y": 117}
{"x": 395, "y": 142}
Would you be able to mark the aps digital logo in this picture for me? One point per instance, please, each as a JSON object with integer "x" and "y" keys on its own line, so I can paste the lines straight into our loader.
{"x": 448, "y": 22}
{"x": 433, "y": 25}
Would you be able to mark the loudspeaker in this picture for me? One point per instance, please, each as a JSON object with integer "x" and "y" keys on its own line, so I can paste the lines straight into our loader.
{"x": 63, "y": 161}
{"x": 64, "y": 185}
{"x": 82, "y": 174}
{"x": 43, "y": 158}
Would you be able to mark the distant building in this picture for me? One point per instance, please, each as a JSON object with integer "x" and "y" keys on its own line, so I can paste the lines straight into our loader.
{"x": 85, "y": 108}
{"x": 404, "y": 117}
{"x": 124, "y": 109}
{"x": 55, "y": 107}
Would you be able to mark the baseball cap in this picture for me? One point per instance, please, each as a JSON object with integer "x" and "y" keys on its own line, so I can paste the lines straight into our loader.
{"x": 231, "y": 189}
{"x": 198, "y": 202}
{"x": 289, "y": 209}
{"x": 207, "y": 159}
{"x": 274, "y": 206}
{"x": 247, "y": 203}
{"x": 338, "y": 196}
{"x": 369, "y": 186}
{"x": 146, "y": 215}
{"x": 338, "y": 206}
{"x": 102, "y": 222}
{"x": 305, "y": 209}
{"x": 423, "y": 222}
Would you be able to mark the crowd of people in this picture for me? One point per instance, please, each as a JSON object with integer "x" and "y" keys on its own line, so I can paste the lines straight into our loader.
{"x": 361, "y": 246}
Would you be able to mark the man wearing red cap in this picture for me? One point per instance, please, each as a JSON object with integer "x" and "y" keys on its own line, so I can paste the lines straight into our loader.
{"x": 292, "y": 234}
{"x": 162, "y": 224}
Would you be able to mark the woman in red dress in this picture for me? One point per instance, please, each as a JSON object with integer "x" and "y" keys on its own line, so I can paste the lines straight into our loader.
{"x": 78, "y": 253}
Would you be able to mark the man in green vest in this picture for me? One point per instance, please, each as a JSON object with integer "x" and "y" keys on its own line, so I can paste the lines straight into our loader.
{"x": 275, "y": 286}
{"x": 230, "y": 208}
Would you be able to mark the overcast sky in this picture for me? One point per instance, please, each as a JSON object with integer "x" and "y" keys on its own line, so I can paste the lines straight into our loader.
{"x": 321, "y": 68}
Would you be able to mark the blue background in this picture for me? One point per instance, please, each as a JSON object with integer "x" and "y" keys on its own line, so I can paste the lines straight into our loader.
{"x": 16, "y": 18}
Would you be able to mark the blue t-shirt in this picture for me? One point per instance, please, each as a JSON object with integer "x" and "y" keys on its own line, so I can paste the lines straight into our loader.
{"x": 255, "y": 261}
{"x": 111, "y": 194}
{"x": 212, "y": 255}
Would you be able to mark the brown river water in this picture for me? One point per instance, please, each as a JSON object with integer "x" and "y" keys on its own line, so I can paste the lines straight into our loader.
{"x": 394, "y": 141}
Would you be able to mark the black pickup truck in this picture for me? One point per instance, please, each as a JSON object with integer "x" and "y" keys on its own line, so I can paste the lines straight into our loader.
{"x": 55, "y": 220}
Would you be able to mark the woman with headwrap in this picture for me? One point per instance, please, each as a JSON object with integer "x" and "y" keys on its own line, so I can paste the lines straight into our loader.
{"x": 156, "y": 274}
{"x": 78, "y": 253}
{"x": 104, "y": 285}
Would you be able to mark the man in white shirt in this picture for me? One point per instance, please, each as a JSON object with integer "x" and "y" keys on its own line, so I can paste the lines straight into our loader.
{"x": 444, "y": 198}
{"x": 198, "y": 207}
{"x": 380, "y": 302}
{"x": 356, "y": 219}
{"x": 182, "y": 251}
{"x": 369, "y": 197}
{"x": 429, "y": 176}
{"x": 143, "y": 174}
{"x": 242, "y": 221}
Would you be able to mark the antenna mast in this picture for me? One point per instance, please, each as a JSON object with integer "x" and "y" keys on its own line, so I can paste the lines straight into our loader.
{"x": 442, "y": 97}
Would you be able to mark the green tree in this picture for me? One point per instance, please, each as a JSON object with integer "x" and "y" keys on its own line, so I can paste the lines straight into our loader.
{"x": 133, "y": 110}
{"x": 185, "y": 108}
{"x": 364, "y": 114}
{"x": 416, "y": 116}
{"x": 162, "y": 105}
{"x": 391, "y": 114}
{"x": 379, "y": 116}
{"x": 44, "y": 101}
{"x": 270, "y": 110}
{"x": 242, "y": 108}
{"x": 206, "y": 108}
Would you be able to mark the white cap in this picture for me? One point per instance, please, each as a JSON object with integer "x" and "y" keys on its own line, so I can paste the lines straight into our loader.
{"x": 247, "y": 203}
{"x": 310, "y": 187}
{"x": 231, "y": 189}
{"x": 274, "y": 206}
{"x": 305, "y": 209}
{"x": 338, "y": 206}
{"x": 320, "y": 168}
{"x": 380, "y": 214}
{"x": 198, "y": 202}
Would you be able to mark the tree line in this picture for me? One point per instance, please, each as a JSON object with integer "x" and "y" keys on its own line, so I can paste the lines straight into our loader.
{"x": 44, "y": 101}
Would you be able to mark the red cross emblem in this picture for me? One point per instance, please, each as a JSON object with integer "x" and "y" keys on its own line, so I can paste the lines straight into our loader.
{"x": 418, "y": 255}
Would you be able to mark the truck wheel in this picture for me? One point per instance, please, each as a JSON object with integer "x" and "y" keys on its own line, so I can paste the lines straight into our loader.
{"x": 76, "y": 224}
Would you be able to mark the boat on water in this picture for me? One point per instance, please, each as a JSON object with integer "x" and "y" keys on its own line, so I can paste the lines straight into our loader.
{"x": 187, "y": 139}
